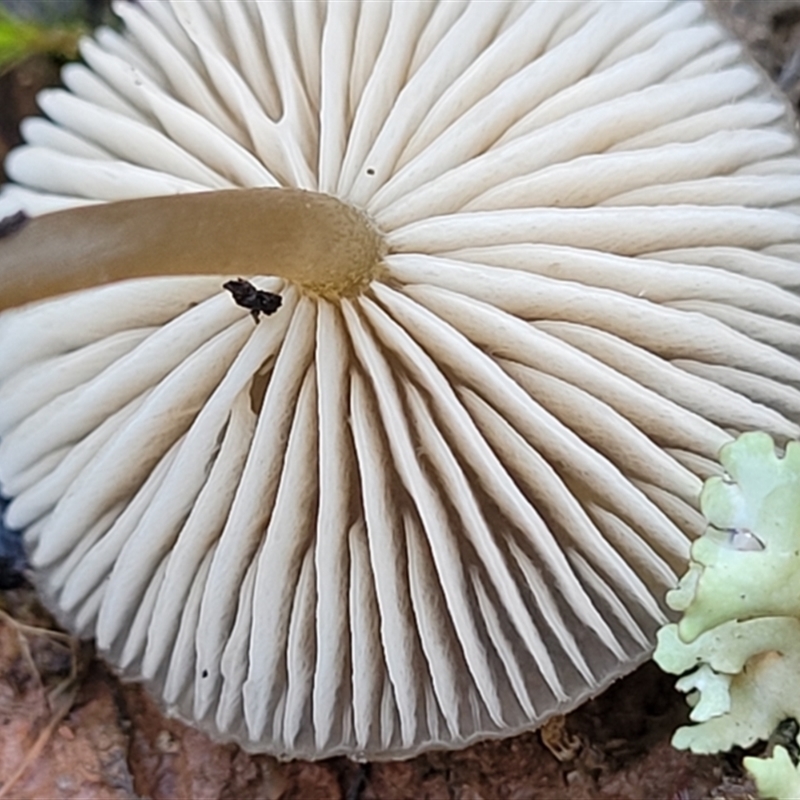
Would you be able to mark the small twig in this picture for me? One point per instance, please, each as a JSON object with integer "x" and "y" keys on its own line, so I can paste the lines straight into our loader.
{"x": 60, "y": 698}
{"x": 43, "y": 738}
{"x": 36, "y": 630}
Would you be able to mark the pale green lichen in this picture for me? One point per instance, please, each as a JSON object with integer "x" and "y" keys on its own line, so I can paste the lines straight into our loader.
{"x": 776, "y": 776}
{"x": 739, "y": 638}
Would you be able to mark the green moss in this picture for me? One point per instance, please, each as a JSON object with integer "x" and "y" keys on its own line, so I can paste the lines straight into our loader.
{"x": 22, "y": 38}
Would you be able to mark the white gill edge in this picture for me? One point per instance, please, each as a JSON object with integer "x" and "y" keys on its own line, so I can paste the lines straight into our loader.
{"x": 77, "y": 412}
{"x": 470, "y": 365}
{"x": 200, "y": 532}
{"x": 338, "y": 484}
{"x": 475, "y": 451}
{"x": 37, "y": 384}
{"x": 487, "y": 119}
{"x": 254, "y": 500}
{"x": 429, "y": 507}
{"x": 634, "y": 177}
{"x": 383, "y": 519}
{"x": 287, "y": 543}
{"x": 425, "y": 185}
{"x": 727, "y": 407}
{"x": 32, "y": 498}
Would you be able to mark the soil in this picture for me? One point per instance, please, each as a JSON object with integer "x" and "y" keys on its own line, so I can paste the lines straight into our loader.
{"x": 70, "y": 729}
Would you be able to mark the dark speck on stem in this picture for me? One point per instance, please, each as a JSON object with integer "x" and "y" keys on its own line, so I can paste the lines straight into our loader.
{"x": 13, "y": 223}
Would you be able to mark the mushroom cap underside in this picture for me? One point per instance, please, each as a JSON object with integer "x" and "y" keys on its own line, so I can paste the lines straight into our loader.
{"x": 443, "y": 502}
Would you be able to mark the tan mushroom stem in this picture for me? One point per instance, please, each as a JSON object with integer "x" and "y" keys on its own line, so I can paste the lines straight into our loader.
{"x": 324, "y": 246}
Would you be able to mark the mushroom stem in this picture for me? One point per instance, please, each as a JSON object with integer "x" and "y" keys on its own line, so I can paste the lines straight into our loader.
{"x": 326, "y": 247}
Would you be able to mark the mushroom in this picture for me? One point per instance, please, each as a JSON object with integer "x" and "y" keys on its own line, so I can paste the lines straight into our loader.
{"x": 537, "y": 263}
